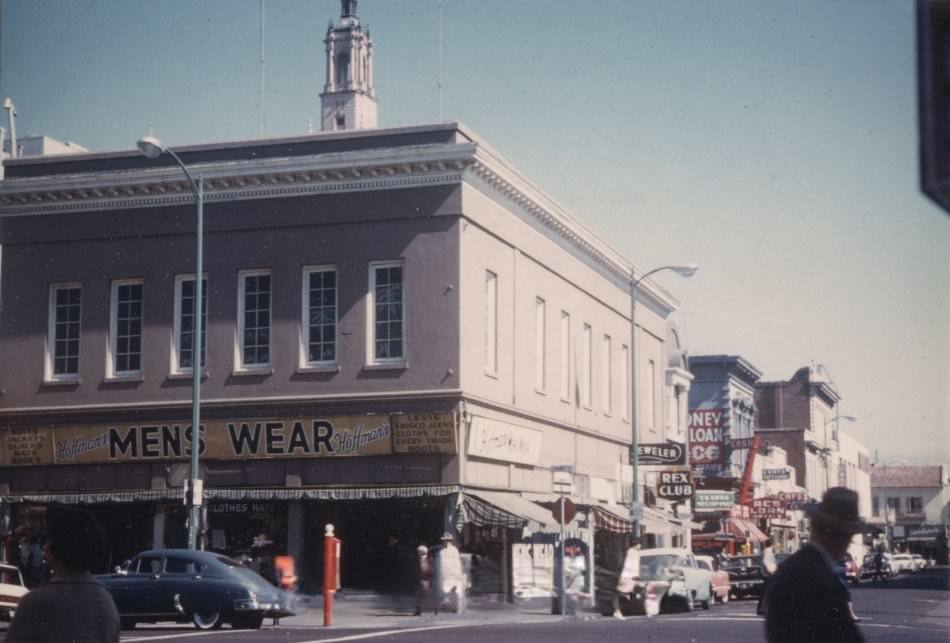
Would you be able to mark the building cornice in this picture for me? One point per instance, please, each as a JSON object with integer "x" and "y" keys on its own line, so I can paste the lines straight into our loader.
{"x": 385, "y": 168}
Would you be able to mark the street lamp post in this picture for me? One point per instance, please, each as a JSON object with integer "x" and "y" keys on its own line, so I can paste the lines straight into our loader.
{"x": 152, "y": 147}
{"x": 683, "y": 270}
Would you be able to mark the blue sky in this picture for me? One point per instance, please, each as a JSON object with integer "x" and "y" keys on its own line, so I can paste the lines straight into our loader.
{"x": 772, "y": 143}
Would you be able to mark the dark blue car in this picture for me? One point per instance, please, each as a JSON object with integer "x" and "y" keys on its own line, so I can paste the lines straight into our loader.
{"x": 204, "y": 588}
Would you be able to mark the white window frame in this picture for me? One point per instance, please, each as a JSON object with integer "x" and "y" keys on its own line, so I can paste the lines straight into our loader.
{"x": 651, "y": 394}
{"x": 565, "y": 374}
{"x": 371, "y": 359}
{"x": 625, "y": 392}
{"x": 607, "y": 371}
{"x": 540, "y": 345}
{"x": 50, "y": 375}
{"x": 305, "y": 363}
{"x": 587, "y": 371}
{"x": 112, "y": 354}
{"x": 176, "y": 367}
{"x": 240, "y": 365}
{"x": 491, "y": 323}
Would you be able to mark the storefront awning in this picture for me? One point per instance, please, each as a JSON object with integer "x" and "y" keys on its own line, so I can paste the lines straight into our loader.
{"x": 613, "y": 518}
{"x": 238, "y": 493}
{"x": 746, "y": 530}
{"x": 504, "y": 509}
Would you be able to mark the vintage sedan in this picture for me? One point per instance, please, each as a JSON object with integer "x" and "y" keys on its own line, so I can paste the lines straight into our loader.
{"x": 204, "y": 588}
{"x": 12, "y": 590}
{"x": 689, "y": 584}
{"x": 718, "y": 577}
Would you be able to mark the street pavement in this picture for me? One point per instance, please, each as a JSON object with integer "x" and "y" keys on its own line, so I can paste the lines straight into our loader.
{"x": 910, "y": 608}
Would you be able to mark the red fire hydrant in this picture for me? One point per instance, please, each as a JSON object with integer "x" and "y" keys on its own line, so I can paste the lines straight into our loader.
{"x": 331, "y": 573}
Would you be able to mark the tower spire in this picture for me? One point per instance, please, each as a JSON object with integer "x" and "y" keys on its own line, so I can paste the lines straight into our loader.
{"x": 348, "y": 100}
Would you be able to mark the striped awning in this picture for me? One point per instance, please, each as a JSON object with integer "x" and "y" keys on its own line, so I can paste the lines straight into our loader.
{"x": 504, "y": 509}
{"x": 613, "y": 518}
{"x": 746, "y": 530}
{"x": 236, "y": 493}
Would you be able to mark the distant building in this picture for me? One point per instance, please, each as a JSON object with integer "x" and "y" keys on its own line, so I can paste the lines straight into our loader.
{"x": 348, "y": 100}
{"x": 912, "y": 505}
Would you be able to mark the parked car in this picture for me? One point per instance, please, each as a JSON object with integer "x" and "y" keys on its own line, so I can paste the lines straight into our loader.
{"x": 12, "y": 590}
{"x": 746, "y": 575}
{"x": 868, "y": 566}
{"x": 903, "y": 563}
{"x": 719, "y": 577}
{"x": 672, "y": 575}
{"x": 919, "y": 562}
{"x": 183, "y": 585}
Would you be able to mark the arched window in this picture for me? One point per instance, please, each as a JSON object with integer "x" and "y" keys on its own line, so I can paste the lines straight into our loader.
{"x": 343, "y": 67}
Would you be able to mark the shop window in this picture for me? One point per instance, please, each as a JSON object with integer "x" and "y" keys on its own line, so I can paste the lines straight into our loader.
{"x": 319, "y": 316}
{"x": 254, "y": 320}
{"x": 183, "y": 353}
{"x": 125, "y": 328}
{"x": 65, "y": 301}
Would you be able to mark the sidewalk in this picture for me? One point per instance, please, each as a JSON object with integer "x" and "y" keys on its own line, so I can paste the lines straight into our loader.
{"x": 369, "y": 610}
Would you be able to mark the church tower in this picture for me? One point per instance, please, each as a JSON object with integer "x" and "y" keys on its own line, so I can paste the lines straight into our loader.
{"x": 348, "y": 100}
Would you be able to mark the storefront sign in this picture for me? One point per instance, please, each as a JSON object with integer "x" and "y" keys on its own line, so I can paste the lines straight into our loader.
{"x": 706, "y": 431}
{"x": 924, "y": 532}
{"x": 674, "y": 485}
{"x": 742, "y": 443}
{"x": 502, "y": 441}
{"x": 776, "y": 474}
{"x": 663, "y": 453}
{"x": 218, "y": 439}
{"x": 424, "y": 433}
{"x": 714, "y": 500}
{"x": 794, "y": 500}
{"x": 767, "y": 508}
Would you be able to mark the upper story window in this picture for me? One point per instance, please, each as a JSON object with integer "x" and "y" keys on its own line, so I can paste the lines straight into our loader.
{"x": 651, "y": 394}
{"x": 387, "y": 312}
{"x": 875, "y": 506}
{"x": 254, "y": 319}
{"x": 625, "y": 381}
{"x": 65, "y": 304}
{"x": 915, "y": 505}
{"x": 183, "y": 350}
{"x": 606, "y": 364}
{"x": 491, "y": 322}
{"x": 125, "y": 328}
{"x": 540, "y": 344}
{"x": 342, "y": 67}
{"x": 894, "y": 506}
{"x": 586, "y": 366}
{"x": 319, "y": 316}
{"x": 565, "y": 356}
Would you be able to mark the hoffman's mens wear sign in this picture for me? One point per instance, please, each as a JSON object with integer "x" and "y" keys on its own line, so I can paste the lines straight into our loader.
{"x": 776, "y": 474}
{"x": 358, "y": 435}
{"x": 714, "y": 500}
{"x": 496, "y": 440}
{"x": 662, "y": 453}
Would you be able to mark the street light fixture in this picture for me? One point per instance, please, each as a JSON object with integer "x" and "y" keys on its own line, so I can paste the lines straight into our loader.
{"x": 683, "y": 270}
{"x": 152, "y": 148}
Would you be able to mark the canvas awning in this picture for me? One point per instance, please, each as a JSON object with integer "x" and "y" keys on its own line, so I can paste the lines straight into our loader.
{"x": 504, "y": 509}
{"x": 613, "y": 518}
{"x": 746, "y": 530}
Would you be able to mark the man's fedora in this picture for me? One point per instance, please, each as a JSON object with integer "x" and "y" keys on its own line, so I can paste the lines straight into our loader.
{"x": 837, "y": 511}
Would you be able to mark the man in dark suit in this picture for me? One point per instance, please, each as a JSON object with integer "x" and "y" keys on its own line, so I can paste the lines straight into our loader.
{"x": 806, "y": 601}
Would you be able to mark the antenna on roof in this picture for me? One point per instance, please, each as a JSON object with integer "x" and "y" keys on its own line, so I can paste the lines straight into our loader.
{"x": 11, "y": 116}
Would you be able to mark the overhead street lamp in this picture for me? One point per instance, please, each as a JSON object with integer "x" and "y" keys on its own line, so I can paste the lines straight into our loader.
{"x": 683, "y": 270}
{"x": 152, "y": 147}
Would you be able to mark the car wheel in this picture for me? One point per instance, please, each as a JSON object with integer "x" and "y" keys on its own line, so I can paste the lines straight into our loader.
{"x": 709, "y": 599}
{"x": 247, "y": 622}
{"x": 127, "y": 623}
{"x": 206, "y": 620}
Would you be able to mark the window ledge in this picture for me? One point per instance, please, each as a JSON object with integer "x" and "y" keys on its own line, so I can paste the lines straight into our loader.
{"x": 119, "y": 379}
{"x": 540, "y": 391}
{"x": 491, "y": 374}
{"x": 327, "y": 368}
{"x": 386, "y": 366}
{"x": 73, "y": 381}
{"x": 263, "y": 370}
{"x": 187, "y": 375}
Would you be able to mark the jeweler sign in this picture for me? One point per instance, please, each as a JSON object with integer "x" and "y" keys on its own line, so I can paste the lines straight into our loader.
{"x": 767, "y": 508}
{"x": 663, "y": 453}
{"x": 674, "y": 485}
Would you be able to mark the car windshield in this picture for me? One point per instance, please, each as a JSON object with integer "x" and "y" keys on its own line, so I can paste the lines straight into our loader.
{"x": 656, "y": 566}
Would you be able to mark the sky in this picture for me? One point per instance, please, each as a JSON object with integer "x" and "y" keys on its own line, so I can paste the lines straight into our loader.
{"x": 774, "y": 144}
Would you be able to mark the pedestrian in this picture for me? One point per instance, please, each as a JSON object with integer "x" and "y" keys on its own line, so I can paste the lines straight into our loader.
{"x": 628, "y": 574}
{"x": 73, "y": 605}
{"x": 769, "y": 565}
{"x": 424, "y": 582}
{"x": 451, "y": 577}
{"x": 574, "y": 572}
{"x": 806, "y": 600}
{"x": 879, "y": 571}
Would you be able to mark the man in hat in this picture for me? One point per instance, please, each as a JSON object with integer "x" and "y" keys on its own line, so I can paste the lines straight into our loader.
{"x": 451, "y": 578}
{"x": 806, "y": 601}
